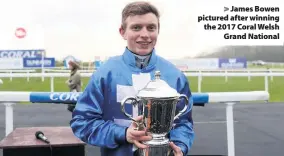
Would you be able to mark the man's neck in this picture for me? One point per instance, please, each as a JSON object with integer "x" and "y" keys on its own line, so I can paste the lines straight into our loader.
{"x": 141, "y": 60}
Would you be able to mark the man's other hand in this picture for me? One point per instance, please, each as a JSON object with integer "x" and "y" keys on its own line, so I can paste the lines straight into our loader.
{"x": 177, "y": 151}
{"x": 135, "y": 136}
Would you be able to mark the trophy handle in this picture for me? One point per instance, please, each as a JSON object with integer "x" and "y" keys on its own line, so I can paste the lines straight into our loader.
{"x": 184, "y": 108}
{"x": 123, "y": 103}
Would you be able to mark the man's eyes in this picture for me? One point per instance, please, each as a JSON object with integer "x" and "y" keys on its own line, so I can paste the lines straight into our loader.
{"x": 137, "y": 27}
{"x": 152, "y": 27}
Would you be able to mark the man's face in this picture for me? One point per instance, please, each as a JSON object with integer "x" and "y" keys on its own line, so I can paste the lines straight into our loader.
{"x": 141, "y": 33}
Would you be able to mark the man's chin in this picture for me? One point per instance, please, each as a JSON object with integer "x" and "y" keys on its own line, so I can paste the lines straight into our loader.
{"x": 144, "y": 51}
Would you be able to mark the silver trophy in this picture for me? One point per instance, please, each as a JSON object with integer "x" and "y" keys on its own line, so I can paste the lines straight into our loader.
{"x": 157, "y": 103}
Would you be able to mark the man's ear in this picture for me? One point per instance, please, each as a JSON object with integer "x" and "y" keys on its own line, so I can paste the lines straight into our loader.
{"x": 122, "y": 32}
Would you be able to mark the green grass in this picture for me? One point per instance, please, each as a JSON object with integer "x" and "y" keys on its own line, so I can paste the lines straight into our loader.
{"x": 36, "y": 84}
{"x": 209, "y": 84}
{"x": 235, "y": 84}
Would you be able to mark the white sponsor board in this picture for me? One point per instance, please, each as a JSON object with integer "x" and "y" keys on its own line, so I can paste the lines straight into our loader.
{"x": 11, "y": 63}
{"x": 202, "y": 63}
{"x": 21, "y": 53}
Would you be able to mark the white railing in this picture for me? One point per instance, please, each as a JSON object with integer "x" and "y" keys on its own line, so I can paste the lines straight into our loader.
{"x": 229, "y": 98}
{"x": 198, "y": 70}
{"x": 67, "y": 71}
{"x": 12, "y": 71}
{"x": 64, "y": 70}
{"x": 15, "y": 71}
{"x": 194, "y": 74}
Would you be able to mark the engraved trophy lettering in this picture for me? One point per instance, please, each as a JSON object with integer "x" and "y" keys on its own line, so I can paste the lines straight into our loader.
{"x": 157, "y": 103}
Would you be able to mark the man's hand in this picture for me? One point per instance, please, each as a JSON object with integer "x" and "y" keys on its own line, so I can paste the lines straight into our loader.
{"x": 177, "y": 151}
{"x": 134, "y": 136}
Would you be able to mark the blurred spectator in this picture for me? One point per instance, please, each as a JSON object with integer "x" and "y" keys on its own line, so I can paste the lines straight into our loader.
{"x": 74, "y": 82}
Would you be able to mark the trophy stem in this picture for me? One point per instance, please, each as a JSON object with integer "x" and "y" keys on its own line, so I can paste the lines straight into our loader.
{"x": 157, "y": 147}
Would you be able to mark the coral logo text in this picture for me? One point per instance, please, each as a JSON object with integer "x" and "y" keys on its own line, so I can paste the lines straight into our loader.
{"x": 64, "y": 96}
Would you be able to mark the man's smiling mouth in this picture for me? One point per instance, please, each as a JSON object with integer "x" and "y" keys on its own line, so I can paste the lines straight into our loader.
{"x": 143, "y": 42}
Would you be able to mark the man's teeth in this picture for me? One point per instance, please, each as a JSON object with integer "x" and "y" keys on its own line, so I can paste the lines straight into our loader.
{"x": 144, "y": 43}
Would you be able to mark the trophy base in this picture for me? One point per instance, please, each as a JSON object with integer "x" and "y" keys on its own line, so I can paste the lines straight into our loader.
{"x": 156, "y": 148}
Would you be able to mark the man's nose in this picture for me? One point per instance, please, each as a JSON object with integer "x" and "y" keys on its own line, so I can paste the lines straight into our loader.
{"x": 144, "y": 32}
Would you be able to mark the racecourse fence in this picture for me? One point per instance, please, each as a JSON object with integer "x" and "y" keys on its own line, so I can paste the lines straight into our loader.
{"x": 200, "y": 75}
{"x": 228, "y": 98}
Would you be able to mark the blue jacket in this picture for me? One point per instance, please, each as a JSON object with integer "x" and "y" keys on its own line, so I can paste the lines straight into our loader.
{"x": 98, "y": 119}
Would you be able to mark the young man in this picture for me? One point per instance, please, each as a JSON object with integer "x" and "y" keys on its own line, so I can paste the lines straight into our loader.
{"x": 98, "y": 119}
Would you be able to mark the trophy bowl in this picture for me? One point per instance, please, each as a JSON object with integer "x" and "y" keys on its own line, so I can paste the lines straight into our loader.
{"x": 156, "y": 102}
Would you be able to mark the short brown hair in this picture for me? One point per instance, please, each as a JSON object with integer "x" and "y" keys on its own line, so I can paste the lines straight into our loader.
{"x": 138, "y": 8}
